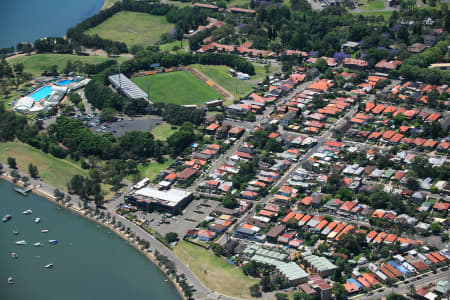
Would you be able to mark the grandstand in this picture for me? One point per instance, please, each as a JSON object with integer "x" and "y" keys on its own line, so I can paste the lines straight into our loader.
{"x": 127, "y": 87}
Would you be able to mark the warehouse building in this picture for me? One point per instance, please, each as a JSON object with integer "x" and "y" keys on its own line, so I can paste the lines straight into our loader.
{"x": 149, "y": 199}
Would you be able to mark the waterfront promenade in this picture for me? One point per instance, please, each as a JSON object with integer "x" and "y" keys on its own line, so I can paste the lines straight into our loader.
{"x": 47, "y": 191}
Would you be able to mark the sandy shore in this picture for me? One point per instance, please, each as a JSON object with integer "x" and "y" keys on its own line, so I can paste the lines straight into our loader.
{"x": 150, "y": 256}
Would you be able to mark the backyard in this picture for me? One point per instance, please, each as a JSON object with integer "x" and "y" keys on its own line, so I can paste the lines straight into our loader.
{"x": 132, "y": 28}
{"x": 179, "y": 87}
{"x": 220, "y": 75}
{"x": 372, "y": 4}
{"x": 214, "y": 272}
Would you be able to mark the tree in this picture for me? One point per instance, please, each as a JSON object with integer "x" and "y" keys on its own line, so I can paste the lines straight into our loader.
{"x": 218, "y": 249}
{"x": 435, "y": 228}
{"x": 99, "y": 199}
{"x": 229, "y": 201}
{"x": 255, "y": 290}
{"x": 108, "y": 114}
{"x": 25, "y": 180}
{"x": 12, "y": 163}
{"x": 321, "y": 64}
{"x": 281, "y": 296}
{"x": 339, "y": 291}
{"x": 444, "y": 237}
{"x": 171, "y": 237}
{"x": 412, "y": 183}
{"x": 15, "y": 176}
{"x": 33, "y": 170}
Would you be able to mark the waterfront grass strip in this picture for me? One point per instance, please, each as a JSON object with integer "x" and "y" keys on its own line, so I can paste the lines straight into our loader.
{"x": 132, "y": 28}
{"x": 54, "y": 171}
{"x": 214, "y": 272}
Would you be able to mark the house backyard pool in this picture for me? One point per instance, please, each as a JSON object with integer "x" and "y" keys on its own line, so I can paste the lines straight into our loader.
{"x": 64, "y": 82}
{"x": 41, "y": 93}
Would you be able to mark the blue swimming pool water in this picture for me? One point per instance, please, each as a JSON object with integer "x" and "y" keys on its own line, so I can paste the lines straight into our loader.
{"x": 65, "y": 82}
{"x": 41, "y": 93}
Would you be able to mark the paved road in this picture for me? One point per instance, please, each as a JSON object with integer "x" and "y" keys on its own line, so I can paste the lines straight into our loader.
{"x": 403, "y": 288}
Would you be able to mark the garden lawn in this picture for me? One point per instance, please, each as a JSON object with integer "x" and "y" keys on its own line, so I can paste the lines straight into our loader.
{"x": 214, "y": 272}
{"x": 220, "y": 75}
{"x": 180, "y": 87}
{"x": 36, "y": 64}
{"x": 373, "y": 5}
{"x": 54, "y": 171}
{"x": 163, "y": 131}
{"x": 132, "y": 28}
{"x": 386, "y": 14}
{"x": 153, "y": 169}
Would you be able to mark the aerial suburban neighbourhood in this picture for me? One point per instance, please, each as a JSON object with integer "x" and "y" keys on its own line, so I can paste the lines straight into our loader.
{"x": 254, "y": 149}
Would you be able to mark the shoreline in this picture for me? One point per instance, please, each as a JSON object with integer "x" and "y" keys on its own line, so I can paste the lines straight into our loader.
{"x": 149, "y": 255}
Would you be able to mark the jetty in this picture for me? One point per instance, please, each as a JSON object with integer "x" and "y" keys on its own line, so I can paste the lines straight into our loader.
{"x": 23, "y": 191}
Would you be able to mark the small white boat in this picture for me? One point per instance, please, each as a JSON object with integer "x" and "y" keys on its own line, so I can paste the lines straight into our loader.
{"x": 38, "y": 244}
{"x": 49, "y": 266}
{"x": 44, "y": 230}
{"x": 6, "y": 218}
{"x": 10, "y": 280}
{"x": 14, "y": 255}
{"x": 27, "y": 212}
{"x": 21, "y": 242}
{"x": 37, "y": 220}
{"x": 53, "y": 241}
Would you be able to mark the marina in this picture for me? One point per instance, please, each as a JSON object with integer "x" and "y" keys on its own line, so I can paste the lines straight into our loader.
{"x": 79, "y": 240}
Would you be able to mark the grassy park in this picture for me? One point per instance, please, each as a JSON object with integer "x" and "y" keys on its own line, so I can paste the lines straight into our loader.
{"x": 132, "y": 28}
{"x": 153, "y": 169}
{"x": 54, "y": 171}
{"x": 179, "y": 87}
{"x": 220, "y": 75}
{"x": 386, "y": 14}
{"x": 163, "y": 131}
{"x": 372, "y": 4}
{"x": 36, "y": 64}
{"x": 214, "y": 272}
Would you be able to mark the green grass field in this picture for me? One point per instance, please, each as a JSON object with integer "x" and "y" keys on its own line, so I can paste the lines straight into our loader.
{"x": 52, "y": 170}
{"x": 163, "y": 131}
{"x": 373, "y": 4}
{"x": 36, "y": 64}
{"x": 133, "y": 28}
{"x": 214, "y": 272}
{"x": 386, "y": 14}
{"x": 153, "y": 169}
{"x": 179, "y": 87}
{"x": 169, "y": 46}
{"x": 220, "y": 75}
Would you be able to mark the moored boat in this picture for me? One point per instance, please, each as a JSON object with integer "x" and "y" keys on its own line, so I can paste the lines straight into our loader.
{"x": 44, "y": 230}
{"x": 15, "y": 232}
{"x": 38, "y": 244}
{"x": 37, "y": 220}
{"x": 27, "y": 212}
{"x": 14, "y": 255}
{"x": 53, "y": 241}
{"x": 49, "y": 266}
{"x": 10, "y": 280}
{"x": 6, "y": 218}
{"x": 21, "y": 243}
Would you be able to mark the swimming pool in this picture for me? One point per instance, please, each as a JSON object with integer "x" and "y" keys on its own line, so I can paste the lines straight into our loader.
{"x": 41, "y": 93}
{"x": 65, "y": 82}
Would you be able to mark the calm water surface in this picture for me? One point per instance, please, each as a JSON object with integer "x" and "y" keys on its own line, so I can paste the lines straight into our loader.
{"x": 28, "y": 20}
{"x": 89, "y": 261}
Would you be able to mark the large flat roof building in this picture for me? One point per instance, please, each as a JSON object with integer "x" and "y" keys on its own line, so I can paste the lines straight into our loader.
{"x": 126, "y": 86}
{"x": 148, "y": 198}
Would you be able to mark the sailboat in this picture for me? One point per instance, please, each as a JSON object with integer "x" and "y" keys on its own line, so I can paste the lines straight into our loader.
{"x": 37, "y": 220}
{"x": 27, "y": 212}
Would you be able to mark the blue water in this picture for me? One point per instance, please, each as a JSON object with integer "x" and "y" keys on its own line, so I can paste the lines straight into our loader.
{"x": 65, "y": 82}
{"x": 28, "y": 20}
{"x": 90, "y": 262}
{"x": 41, "y": 93}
